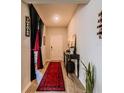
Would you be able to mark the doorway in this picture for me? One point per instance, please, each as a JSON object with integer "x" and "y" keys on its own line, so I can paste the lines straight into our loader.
{"x": 56, "y": 47}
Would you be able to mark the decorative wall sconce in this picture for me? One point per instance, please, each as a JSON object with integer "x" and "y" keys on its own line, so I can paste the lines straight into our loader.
{"x": 99, "y": 33}
{"x": 27, "y": 26}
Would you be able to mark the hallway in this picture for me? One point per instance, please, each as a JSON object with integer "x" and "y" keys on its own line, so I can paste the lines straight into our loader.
{"x": 67, "y": 33}
{"x": 72, "y": 84}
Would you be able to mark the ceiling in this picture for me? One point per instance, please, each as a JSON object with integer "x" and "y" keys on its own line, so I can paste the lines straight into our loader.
{"x": 56, "y": 14}
{"x": 56, "y": 1}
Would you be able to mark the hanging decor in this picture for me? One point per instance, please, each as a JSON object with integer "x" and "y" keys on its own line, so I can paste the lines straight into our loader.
{"x": 44, "y": 40}
{"x": 27, "y": 26}
{"x": 37, "y": 50}
{"x": 36, "y": 43}
{"x": 75, "y": 42}
{"x": 99, "y": 33}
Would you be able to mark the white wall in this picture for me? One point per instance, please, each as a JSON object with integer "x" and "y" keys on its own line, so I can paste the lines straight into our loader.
{"x": 25, "y": 49}
{"x": 55, "y": 31}
{"x": 89, "y": 46}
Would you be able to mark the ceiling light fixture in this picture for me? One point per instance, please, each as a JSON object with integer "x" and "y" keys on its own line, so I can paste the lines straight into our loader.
{"x": 56, "y": 18}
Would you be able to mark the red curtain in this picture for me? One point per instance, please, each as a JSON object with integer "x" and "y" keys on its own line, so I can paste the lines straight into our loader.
{"x": 36, "y": 39}
{"x": 37, "y": 48}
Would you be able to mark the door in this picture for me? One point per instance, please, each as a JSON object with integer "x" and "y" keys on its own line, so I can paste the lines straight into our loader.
{"x": 56, "y": 47}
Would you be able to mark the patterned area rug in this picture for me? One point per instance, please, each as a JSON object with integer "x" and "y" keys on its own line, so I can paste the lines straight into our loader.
{"x": 52, "y": 79}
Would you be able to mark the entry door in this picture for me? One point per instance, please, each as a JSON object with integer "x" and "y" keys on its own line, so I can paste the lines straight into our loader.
{"x": 56, "y": 47}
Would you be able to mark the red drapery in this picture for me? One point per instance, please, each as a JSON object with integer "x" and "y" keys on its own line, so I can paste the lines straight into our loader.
{"x": 37, "y": 48}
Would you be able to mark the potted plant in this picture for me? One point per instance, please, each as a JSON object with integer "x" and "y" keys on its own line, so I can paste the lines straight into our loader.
{"x": 89, "y": 77}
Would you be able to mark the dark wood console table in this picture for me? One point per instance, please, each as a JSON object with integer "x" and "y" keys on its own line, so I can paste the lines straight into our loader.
{"x": 68, "y": 57}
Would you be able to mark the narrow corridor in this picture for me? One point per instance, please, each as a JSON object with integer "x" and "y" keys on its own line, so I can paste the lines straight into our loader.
{"x": 72, "y": 84}
{"x": 64, "y": 32}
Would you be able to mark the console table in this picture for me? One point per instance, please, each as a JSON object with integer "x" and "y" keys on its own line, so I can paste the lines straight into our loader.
{"x": 68, "y": 57}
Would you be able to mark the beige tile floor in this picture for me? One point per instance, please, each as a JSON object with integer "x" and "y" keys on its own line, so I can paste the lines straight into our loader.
{"x": 72, "y": 84}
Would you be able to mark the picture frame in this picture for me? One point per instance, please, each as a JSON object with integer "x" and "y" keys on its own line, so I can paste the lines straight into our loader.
{"x": 27, "y": 26}
{"x": 99, "y": 27}
{"x": 44, "y": 40}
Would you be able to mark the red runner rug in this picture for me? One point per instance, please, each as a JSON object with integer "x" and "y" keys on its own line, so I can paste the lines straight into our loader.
{"x": 52, "y": 79}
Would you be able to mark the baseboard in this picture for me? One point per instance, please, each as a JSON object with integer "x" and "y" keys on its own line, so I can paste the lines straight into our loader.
{"x": 50, "y": 60}
{"x": 28, "y": 85}
{"x": 82, "y": 84}
{"x": 47, "y": 60}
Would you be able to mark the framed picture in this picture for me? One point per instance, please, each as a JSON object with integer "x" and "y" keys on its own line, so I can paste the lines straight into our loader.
{"x": 44, "y": 40}
{"x": 99, "y": 27}
{"x": 27, "y": 26}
